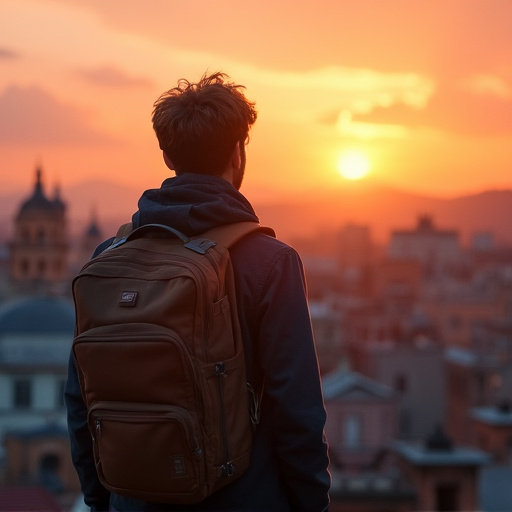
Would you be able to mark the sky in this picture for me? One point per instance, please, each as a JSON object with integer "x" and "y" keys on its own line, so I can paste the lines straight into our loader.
{"x": 422, "y": 89}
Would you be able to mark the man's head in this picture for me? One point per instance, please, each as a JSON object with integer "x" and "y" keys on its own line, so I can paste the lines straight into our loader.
{"x": 200, "y": 125}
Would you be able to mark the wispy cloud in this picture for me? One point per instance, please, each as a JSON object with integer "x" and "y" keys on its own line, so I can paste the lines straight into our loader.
{"x": 32, "y": 116}
{"x": 6, "y": 53}
{"x": 110, "y": 76}
{"x": 481, "y": 110}
{"x": 488, "y": 85}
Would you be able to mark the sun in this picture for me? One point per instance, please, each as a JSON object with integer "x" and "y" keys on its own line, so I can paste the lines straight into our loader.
{"x": 353, "y": 164}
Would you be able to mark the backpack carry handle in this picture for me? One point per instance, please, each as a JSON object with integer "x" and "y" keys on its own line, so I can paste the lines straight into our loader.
{"x": 148, "y": 228}
{"x": 199, "y": 245}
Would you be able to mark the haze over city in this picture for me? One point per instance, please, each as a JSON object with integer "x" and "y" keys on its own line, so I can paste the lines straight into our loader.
{"x": 417, "y": 94}
{"x": 382, "y": 153}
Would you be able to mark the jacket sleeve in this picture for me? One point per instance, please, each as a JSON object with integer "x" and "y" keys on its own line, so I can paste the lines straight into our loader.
{"x": 95, "y": 495}
{"x": 293, "y": 395}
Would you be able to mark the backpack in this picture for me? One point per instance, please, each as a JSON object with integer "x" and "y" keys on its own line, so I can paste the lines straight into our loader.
{"x": 161, "y": 363}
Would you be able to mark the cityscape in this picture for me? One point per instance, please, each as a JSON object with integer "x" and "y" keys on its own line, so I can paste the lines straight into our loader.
{"x": 414, "y": 341}
{"x": 381, "y": 153}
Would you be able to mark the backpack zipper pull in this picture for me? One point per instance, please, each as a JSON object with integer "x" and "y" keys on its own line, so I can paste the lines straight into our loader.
{"x": 220, "y": 369}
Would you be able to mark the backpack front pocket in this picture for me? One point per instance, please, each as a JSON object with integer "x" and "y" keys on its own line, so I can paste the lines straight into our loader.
{"x": 146, "y": 449}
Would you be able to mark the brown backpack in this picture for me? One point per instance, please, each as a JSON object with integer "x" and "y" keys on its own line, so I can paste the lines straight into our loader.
{"x": 161, "y": 363}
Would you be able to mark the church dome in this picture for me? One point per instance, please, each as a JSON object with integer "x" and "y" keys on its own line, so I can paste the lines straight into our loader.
{"x": 37, "y": 315}
{"x": 39, "y": 202}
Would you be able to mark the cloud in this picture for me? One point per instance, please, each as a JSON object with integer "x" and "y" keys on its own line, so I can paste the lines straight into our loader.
{"x": 366, "y": 86}
{"x": 373, "y": 104}
{"x": 109, "y": 76}
{"x": 484, "y": 109}
{"x": 6, "y": 53}
{"x": 487, "y": 84}
{"x": 32, "y": 116}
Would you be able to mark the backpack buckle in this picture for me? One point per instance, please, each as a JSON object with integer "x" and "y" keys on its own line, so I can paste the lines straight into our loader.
{"x": 228, "y": 469}
{"x": 199, "y": 245}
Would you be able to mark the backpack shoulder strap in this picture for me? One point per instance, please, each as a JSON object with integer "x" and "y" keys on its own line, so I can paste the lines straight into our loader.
{"x": 123, "y": 231}
{"x": 228, "y": 234}
{"x": 225, "y": 235}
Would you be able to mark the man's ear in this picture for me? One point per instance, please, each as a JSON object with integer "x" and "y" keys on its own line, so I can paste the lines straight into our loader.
{"x": 168, "y": 161}
{"x": 236, "y": 157}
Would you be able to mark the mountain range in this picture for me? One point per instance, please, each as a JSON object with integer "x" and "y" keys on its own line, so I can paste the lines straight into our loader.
{"x": 296, "y": 217}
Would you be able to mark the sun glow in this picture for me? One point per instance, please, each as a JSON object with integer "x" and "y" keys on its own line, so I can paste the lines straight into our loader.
{"x": 353, "y": 165}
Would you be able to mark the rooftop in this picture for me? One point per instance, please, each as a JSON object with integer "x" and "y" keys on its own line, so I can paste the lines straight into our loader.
{"x": 500, "y": 416}
{"x": 37, "y": 315}
{"x": 419, "y": 454}
{"x": 342, "y": 382}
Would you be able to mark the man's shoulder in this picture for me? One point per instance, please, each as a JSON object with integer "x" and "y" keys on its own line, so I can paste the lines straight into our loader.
{"x": 259, "y": 249}
{"x": 263, "y": 241}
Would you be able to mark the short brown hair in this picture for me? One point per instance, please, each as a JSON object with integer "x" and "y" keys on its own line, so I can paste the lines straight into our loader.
{"x": 198, "y": 124}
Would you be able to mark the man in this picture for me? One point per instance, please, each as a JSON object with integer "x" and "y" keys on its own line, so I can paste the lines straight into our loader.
{"x": 202, "y": 129}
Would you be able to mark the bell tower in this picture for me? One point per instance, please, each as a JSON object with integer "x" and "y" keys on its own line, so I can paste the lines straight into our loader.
{"x": 39, "y": 248}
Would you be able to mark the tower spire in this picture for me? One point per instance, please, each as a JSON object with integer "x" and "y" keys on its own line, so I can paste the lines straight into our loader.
{"x": 38, "y": 188}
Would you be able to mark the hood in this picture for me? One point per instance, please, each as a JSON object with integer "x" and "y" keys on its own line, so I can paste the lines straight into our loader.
{"x": 193, "y": 204}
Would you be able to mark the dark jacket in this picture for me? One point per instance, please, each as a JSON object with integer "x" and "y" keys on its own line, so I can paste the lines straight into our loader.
{"x": 289, "y": 461}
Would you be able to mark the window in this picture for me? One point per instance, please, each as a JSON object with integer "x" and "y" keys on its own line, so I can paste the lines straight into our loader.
{"x": 57, "y": 265}
{"x": 25, "y": 236}
{"x": 24, "y": 267}
{"x": 41, "y": 237}
{"x": 401, "y": 383}
{"x": 352, "y": 432}
{"x": 22, "y": 393}
{"x": 41, "y": 267}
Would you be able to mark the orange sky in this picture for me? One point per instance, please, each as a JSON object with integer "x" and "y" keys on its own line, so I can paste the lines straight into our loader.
{"x": 422, "y": 87}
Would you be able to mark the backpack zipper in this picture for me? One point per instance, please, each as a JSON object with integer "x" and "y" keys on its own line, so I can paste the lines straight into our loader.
{"x": 134, "y": 413}
{"x": 228, "y": 468}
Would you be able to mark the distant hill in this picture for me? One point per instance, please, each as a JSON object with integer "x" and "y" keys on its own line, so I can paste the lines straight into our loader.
{"x": 384, "y": 210}
{"x": 295, "y": 217}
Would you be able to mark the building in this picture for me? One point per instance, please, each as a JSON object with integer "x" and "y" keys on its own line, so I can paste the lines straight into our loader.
{"x": 36, "y": 333}
{"x": 438, "y": 251}
{"x": 35, "y": 339}
{"x": 362, "y": 419}
{"x": 362, "y": 424}
{"x": 475, "y": 379}
{"x": 356, "y": 254}
{"x": 414, "y": 369}
{"x": 24, "y": 498}
{"x": 445, "y": 476}
{"x": 398, "y": 283}
{"x": 326, "y": 323}
{"x": 457, "y": 316}
{"x": 39, "y": 248}
{"x": 492, "y": 431}
{"x": 41, "y": 457}
{"x": 82, "y": 252}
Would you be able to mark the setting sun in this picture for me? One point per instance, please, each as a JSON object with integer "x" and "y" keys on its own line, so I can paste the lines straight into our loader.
{"x": 353, "y": 165}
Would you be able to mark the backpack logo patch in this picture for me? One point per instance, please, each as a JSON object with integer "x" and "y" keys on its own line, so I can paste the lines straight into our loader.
{"x": 128, "y": 299}
{"x": 178, "y": 466}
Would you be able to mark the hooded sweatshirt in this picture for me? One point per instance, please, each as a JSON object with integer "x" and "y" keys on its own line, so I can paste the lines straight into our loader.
{"x": 288, "y": 470}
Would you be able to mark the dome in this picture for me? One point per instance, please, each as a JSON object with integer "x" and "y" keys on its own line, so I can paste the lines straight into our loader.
{"x": 93, "y": 230}
{"x": 38, "y": 200}
{"x": 41, "y": 315}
